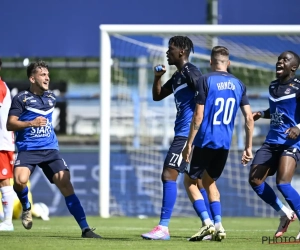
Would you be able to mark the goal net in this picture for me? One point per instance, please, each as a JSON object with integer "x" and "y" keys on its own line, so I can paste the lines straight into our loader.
{"x": 136, "y": 131}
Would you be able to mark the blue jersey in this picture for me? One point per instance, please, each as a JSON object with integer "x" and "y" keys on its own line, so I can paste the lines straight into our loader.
{"x": 221, "y": 94}
{"x": 284, "y": 111}
{"x": 182, "y": 84}
{"x": 27, "y": 106}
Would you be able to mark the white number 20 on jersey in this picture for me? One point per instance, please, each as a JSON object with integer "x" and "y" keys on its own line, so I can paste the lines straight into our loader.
{"x": 225, "y": 107}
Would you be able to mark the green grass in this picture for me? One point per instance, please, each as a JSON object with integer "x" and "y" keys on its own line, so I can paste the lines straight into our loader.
{"x": 124, "y": 233}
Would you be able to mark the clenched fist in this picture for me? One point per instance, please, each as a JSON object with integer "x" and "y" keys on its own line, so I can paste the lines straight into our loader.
{"x": 40, "y": 121}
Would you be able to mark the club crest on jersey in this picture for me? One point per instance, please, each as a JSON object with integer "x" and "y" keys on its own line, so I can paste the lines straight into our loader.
{"x": 50, "y": 102}
{"x": 287, "y": 91}
{"x": 179, "y": 81}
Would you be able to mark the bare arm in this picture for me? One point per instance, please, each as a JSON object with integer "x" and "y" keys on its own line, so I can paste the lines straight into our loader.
{"x": 159, "y": 92}
{"x": 194, "y": 127}
{"x": 13, "y": 123}
{"x": 249, "y": 126}
{"x": 259, "y": 114}
{"x": 196, "y": 123}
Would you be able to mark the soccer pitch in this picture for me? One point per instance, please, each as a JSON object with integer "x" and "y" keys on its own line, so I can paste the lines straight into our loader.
{"x": 124, "y": 233}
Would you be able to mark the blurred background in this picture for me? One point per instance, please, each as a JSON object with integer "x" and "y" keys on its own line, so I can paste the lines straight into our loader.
{"x": 66, "y": 35}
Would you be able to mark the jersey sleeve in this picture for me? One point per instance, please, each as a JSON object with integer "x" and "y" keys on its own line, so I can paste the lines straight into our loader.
{"x": 3, "y": 92}
{"x": 168, "y": 85}
{"x": 244, "y": 99}
{"x": 201, "y": 90}
{"x": 298, "y": 96}
{"x": 191, "y": 74}
{"x": 17, "y": 107}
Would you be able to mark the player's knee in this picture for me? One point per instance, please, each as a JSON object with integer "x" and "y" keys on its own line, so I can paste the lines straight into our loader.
{"x": 254, "y": 181}
{"x": 187, "y": 182}
{"x": 169, "y": 174}
{"x": 65, "y": 187}
{"x": 20, "y": 179}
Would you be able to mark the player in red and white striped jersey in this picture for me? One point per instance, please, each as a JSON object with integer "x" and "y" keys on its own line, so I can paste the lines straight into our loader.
{"x": 7, "y": 149}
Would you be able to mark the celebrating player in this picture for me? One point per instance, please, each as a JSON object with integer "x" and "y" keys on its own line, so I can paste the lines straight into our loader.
{"x": 280, "y": 152}
{"x": 30, "y": 116}
{"x": 182, "y": 85}
{"x": 218, "y": 97}
{"x": 7, "y": 149}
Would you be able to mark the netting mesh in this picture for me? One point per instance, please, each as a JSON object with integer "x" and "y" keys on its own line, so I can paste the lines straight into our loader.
{"x": 143, "y": 129}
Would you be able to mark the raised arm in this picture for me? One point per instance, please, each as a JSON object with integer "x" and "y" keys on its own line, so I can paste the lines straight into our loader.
{"x": 159, "y": 92}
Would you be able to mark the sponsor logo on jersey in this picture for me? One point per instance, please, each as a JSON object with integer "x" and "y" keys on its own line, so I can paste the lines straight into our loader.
{"x": 33, "y": 101}
{"x": 27, "y": 98}
{"x": 276, "y": 118}
{"x": 293, "y": 86}
{"x": 45, "y": 131}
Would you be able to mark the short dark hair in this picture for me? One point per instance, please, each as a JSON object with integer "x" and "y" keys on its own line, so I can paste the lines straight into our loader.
{"x": 182, "y": 42}
{"x": 219, "y": 51}
{"x": 296, "y": 56}
{"x": 32, "y": 67}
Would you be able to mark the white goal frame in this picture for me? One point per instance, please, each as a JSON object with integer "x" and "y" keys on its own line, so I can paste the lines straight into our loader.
{"x": 105, "y": 77}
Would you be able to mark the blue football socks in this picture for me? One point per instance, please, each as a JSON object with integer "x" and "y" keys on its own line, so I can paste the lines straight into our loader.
{"x": 206, "y": 201}
{"x": 168, "y": 202}
{"x": 291, "y": 196}
{"x": 215, "y": 207}
{"x": 76, "y": 210}
{"x": 23, "y": 197}
{"x": 267, "y": 194}
{"x": 200, "y": 208}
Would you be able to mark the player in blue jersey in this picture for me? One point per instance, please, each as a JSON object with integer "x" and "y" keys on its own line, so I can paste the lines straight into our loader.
{"x": 218, "y": 97}
{"x": 280, "y": 152}
{"x": 30, "y": 116}
{"x": 182, "y": 85}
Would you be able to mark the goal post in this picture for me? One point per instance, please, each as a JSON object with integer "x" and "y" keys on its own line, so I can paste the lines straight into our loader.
{"x": 248, "y": 61}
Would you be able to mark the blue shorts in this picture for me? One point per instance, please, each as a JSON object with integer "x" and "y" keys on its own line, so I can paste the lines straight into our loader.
{"x": 48, "y": 160}
{"x": 174, "y": 156}
{"x": 211, "y": 160}
{"x": 269, "y": 155}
